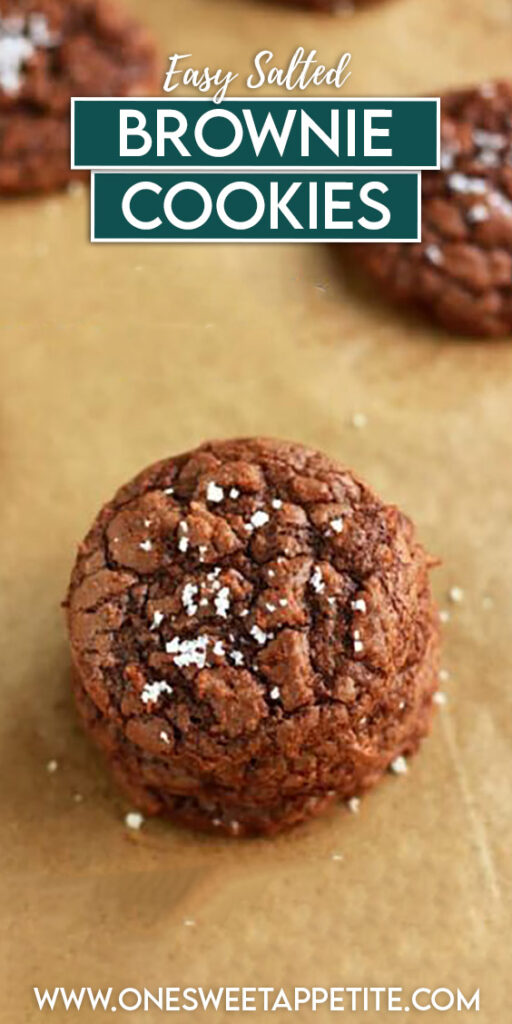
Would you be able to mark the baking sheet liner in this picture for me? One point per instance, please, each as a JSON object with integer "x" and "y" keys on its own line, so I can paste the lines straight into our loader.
{"x": 114, "y": 356}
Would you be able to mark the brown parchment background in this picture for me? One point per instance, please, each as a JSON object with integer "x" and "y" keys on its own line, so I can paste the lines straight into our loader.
{"x": 113, "y": 356}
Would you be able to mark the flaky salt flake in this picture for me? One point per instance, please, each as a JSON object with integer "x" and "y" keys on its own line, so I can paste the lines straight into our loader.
{"x": 145, "y": 545}
{"x": 477, "y": 214}
{"x": 39, "y": 32}
{"x": 337, "y": 525}
{"x": 234, "y": 493}
{"x": 164, "y": 736}
{"x": 337, "y": 856}
{"x": 188, "y": 594}
{"x": 444, "y": 615}
{"x": 275, "y": 693}
{"x": 218, "y": 649}
{"x": 399, "y": 766}
{"x": 270, "y": 607}
{"x": 183, "y": 542}
{"x": 134, "y": 820}
{"x": 434, "y": 254}
{"x": 316, "y": 580}
{"x": 447, "y": 160}
{"x": 456, "y": 595}
{"x": 222, "y": 602}
{"x": 359, "y": 605}
{"x": 488, "y": 140}
{"x": 189, "y": 923}
{"x": 444, "y": 675}
{"x": 214, "y": 493}
{"x": 188, "y": 652}
{"x": 169, "y": 490}
{"x": 236, "y": 657}
{"x": 277, "y": 503}
{"x": 354, "y": 804}
{"x": 158, "y": 618}
{"x": 467, "y": 186}
{"x": 259, "y": 635}
{"x": 151, "y": 692}
{"x": 259, "y": 519}
{"x": 358, "y": 643}
{"x": 15, "y": 51}
{"x": 52, "y": 766}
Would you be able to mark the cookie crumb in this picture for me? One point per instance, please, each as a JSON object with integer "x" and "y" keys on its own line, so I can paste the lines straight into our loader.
{"x": 359, "y": 420}
{"x": 134, "y": 820}
{"x": 440, "y": 698}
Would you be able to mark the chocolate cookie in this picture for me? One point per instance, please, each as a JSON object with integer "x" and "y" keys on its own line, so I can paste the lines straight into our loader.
{"x": 252, "y": 634}
{"x": 461, "y": 272}
{"x": 51, "y": 50}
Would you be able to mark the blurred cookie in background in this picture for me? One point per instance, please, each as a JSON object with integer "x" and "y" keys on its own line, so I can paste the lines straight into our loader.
{"x": 460, "y": 274}
{"x": 51, "y": 50}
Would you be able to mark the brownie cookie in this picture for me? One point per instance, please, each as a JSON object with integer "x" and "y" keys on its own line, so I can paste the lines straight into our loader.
{"x": 51, "y": 50}
{"x": 253, "y": 636}
{"x": 461, "y": 272}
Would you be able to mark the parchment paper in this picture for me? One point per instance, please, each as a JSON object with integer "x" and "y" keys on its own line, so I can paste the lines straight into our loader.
{"x": 113, "y": 356}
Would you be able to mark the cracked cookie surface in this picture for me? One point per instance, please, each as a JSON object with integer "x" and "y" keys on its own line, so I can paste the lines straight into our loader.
{"x": 461, "y": 272}
{"x": 253, "y": 635}
{"x": 51, "y": 50}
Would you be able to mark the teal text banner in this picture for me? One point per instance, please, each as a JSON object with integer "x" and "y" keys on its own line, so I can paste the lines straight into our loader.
{"x": 213, "y": 207}
{"x": 255, "y": 134}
